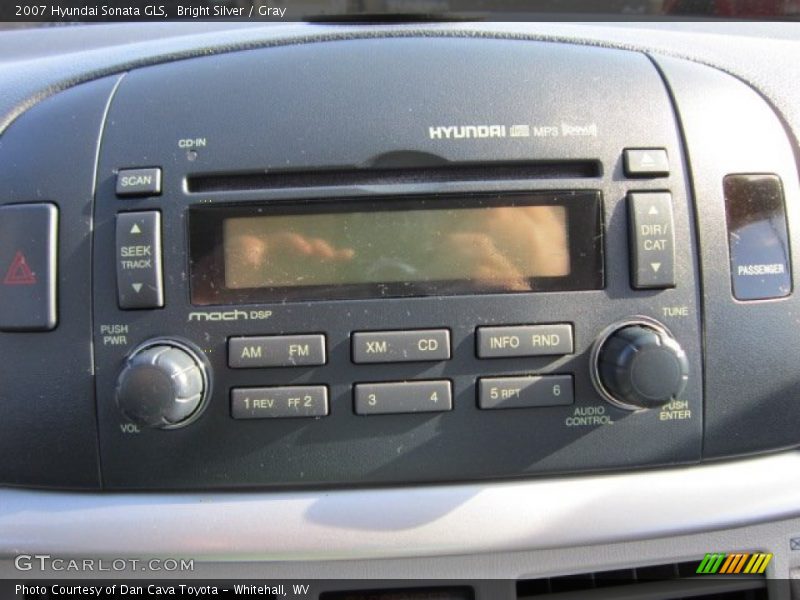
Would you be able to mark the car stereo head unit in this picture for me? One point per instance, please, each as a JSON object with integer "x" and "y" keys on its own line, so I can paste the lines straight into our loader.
{"x": 393, "y": 288}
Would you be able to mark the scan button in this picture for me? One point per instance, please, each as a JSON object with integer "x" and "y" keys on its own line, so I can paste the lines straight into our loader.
{"x": 139, "y": 182}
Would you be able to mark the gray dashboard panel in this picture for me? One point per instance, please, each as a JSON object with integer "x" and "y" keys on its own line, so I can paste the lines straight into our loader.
{"x": 768, "y": 486}
{"x": 47, "y": 391}
{"x": 403, "y": 522}
{"x": 752, "y": 393}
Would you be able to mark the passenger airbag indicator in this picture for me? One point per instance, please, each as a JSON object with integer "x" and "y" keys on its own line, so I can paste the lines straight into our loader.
{"x": 757, "y": 237}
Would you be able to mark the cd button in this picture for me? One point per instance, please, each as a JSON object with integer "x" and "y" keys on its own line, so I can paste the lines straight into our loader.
{"x": 403, "y": 397}
{"x": 524, "y": 340}
{"x": 401, "y": 346}
{"x": 279, "y": 402}
{"x": 276, "y": 351}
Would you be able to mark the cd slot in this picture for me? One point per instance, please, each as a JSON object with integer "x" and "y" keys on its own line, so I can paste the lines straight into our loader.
{"x": 234, "y": 182}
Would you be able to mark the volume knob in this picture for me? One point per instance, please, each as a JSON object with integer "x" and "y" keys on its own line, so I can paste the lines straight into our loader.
{"x": 640, "y": 365}
{"x": 163, "y": 385}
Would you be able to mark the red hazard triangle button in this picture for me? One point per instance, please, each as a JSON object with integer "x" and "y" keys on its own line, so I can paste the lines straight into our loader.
{"x": 28, "y": 267}
{"x": 19, "y": 273}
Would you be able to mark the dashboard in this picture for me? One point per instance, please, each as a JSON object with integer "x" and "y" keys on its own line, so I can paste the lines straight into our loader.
{"x": 502, "y": 302}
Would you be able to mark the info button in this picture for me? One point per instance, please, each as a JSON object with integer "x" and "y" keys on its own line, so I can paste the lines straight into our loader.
{"x": 524, "y": 340}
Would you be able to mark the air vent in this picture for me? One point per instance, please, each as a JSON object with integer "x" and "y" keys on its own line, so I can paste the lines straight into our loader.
{"x": 673, "y": 581}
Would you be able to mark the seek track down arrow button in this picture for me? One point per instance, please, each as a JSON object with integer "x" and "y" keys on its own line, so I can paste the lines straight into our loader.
{"x": 139, "y": 277}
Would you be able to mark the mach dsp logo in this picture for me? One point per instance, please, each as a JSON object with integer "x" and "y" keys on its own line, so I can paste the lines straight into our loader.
{"x": 734, "y": 564}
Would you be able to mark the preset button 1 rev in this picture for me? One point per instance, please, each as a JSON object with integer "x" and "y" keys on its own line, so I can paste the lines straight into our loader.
{"x": 139, "y": 278}
{"x": 279, "y": 402}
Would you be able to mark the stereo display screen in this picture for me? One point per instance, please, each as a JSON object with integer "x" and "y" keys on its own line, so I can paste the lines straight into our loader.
{"x": 406, "y": 247}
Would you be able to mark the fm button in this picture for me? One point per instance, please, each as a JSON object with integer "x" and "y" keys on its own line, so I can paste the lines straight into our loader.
{"x": 276, "y": 351}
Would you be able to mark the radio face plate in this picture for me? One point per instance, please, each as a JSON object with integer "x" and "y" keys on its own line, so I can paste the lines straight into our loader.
{"x": 365, "y": 126}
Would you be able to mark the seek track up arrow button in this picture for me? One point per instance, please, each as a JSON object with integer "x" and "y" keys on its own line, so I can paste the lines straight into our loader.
{"x": 139, "y": 277}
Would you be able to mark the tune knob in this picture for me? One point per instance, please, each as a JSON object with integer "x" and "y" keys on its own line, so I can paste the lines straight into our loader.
{"x": 640, "y": 365}
{"x": 164, "y": 384}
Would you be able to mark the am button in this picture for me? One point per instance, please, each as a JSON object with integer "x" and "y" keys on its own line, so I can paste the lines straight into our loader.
{"x": 276, "y": 351}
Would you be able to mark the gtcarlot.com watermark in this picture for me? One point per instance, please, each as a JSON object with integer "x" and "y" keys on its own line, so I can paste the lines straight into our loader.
{"x": 46, "y": 562}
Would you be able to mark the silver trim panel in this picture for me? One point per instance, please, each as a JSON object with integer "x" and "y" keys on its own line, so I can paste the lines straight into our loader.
{"x": 403, "y": 522}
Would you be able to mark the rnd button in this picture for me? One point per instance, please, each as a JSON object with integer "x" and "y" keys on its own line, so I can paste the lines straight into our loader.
{"x": 524, "y": 340}
{"x": 401, "y": 346}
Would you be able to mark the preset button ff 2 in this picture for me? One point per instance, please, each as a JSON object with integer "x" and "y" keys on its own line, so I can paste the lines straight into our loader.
{"x": 279, "y": 402}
